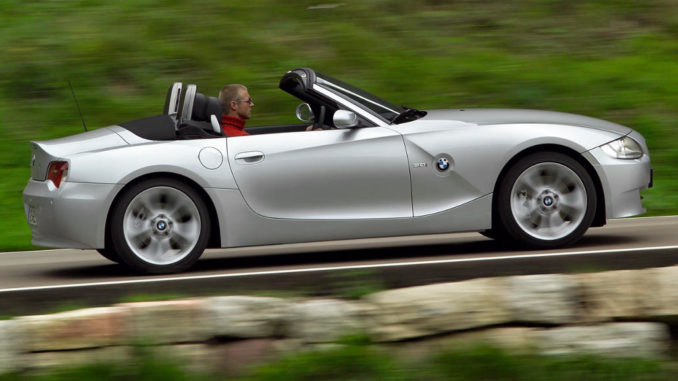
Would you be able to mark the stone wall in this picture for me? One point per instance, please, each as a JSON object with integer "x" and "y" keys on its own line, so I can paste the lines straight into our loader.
{"x": 618, "y": 313}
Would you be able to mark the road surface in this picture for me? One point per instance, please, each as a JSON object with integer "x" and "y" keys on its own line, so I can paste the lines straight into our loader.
{"x": 49, "y": 280}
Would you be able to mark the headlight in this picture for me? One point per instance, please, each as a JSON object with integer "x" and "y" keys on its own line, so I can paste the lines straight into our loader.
{"x": 624, "y": 148}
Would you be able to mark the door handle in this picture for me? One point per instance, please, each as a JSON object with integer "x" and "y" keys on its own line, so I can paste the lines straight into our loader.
{"x": 250, "y": 157}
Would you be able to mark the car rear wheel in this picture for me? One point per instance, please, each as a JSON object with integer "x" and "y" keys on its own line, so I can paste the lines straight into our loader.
{"x": 160, "y": 226}
{"x": 545, "y": 200}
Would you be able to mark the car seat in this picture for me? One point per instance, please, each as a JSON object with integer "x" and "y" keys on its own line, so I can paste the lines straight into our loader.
{"x": 199, "y": 116}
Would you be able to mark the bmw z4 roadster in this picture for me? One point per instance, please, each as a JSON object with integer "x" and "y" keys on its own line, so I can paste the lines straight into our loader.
{"x": 154, "y": 193}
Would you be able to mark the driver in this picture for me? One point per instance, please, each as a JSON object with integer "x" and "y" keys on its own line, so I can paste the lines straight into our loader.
{"x": 236, "y": 104}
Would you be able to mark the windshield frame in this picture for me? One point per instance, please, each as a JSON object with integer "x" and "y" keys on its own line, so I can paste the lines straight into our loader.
{"x": 377, "y": 106}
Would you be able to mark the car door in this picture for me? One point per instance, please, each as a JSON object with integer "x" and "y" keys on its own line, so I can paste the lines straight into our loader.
{"x": 336, "y": 174}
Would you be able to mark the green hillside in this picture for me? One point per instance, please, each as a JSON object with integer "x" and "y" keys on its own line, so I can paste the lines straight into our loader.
{"x": 607, "y": 59}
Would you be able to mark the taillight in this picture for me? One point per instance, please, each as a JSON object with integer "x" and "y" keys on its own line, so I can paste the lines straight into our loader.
{"x": 57, "y": 172}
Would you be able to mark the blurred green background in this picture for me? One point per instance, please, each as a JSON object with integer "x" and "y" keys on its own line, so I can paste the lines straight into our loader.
{"x": 607, "y": 59}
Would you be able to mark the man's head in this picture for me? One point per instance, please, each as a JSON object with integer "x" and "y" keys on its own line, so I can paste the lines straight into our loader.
{"x": 236, "y": 101}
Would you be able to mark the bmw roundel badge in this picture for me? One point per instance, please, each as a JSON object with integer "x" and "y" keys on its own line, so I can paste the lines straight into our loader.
{"x": 443, "y": 164}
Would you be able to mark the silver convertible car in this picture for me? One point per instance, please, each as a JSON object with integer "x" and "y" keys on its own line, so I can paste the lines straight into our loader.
{"x": 154, "y": 193}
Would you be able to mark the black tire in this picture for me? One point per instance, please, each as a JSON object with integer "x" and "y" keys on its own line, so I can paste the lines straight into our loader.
{"x": 109, "y": 254}
{"x": 160, "y": 226}
{"x": 545, "y": 200}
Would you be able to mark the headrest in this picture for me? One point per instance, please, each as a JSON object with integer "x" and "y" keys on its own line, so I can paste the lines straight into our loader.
{"x": 199, "y": 108}
{"x": 204, "y": 106}
{"x": 213, "y": 107}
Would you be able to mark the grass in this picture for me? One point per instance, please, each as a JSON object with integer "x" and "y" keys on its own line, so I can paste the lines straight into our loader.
{"x": 487, "y": 363}
{"x": 605, "y": 59}
{"x": 146, "y": 366}
{"x": 364, "y": 362}
{"x": 136, "y": 298}
{"x": 354, "y": 284}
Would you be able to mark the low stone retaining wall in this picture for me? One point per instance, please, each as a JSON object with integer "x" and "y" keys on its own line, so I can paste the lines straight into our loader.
{"x": 617, "y": 313}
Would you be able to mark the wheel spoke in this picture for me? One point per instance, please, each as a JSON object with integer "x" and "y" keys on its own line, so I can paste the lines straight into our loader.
{"x": 135, "y": 224}
{"x": 189, "y": 231}
{"x": 176, "y": 212}
{"x": 140, "y": 238}
{"x": 545, "y": 222}
{"x": 531, "y": 184}
{"x": 537, "y": 220}
{"x": 561, "y": 181}
{"x": 554, "y": 221}
{"x": 574, "y": 199}
{"x": 152, "y": 249}
{"x": 569, "y": 213}
{"x": 523, "y": 205}
{"x": 158, "y": 249}
{"x": 181, "y": 215}
{"x": 172, "y": 204}
{"x": 164, "y": 248}
{"x": 145, "y": 207}
{"x": 181, "y": 242}
{"x": 529, "y": 218}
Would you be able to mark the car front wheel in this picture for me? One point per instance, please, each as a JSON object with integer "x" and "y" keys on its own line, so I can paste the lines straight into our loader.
{"x": 160, "y": 226}
{"x": 545, "y": 200}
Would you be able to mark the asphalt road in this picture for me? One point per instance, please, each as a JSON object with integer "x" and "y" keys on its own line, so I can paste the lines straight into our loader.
{"x": 49, "y": 280}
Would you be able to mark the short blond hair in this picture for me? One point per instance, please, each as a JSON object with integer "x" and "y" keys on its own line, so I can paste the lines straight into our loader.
{"x": 228, "y": 94}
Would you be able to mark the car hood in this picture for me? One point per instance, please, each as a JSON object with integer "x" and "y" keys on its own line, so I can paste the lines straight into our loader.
{"x": 517, "y": 116}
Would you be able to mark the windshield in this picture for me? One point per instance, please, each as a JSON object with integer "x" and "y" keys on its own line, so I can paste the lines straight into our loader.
{"x": 383, "y": 108}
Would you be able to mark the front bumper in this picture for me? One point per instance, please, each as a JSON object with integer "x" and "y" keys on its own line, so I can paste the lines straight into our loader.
{"x": 71, "y": 216}
{"x": 622, "y": 181}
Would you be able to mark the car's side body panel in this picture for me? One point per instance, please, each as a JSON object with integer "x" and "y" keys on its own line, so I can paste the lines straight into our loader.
{"x": 202, "y": 160}
{"x": 244, "y": 227}
{"x": 357, "y": 173}
{"x": 101, "y": 163}
{"x": 472, "y": 175}
{"x": 104, "y": 156}
{"x": 71, "y": 216}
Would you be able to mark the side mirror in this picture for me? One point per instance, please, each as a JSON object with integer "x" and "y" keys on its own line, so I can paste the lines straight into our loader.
{"x": 304, "y": 113}
{"x": 345, "y": 119}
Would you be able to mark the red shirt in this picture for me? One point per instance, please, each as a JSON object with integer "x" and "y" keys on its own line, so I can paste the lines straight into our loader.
{"x": 233, "y": 126}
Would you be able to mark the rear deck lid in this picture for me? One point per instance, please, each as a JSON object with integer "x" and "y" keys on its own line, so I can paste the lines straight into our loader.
{"x": 44, "y": 152}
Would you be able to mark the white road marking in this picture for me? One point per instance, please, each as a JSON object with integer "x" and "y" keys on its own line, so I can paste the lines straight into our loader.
{"x": 338, "y": 268}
